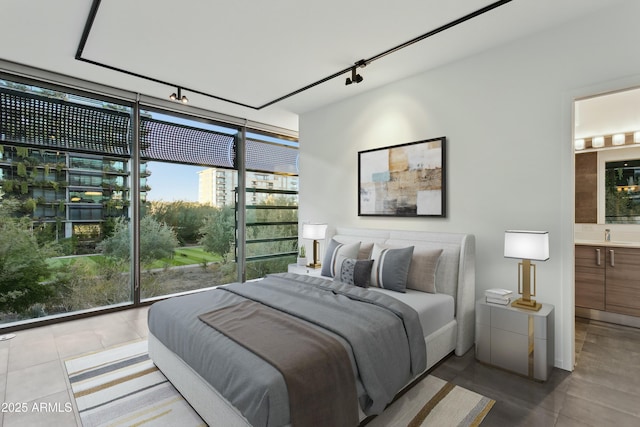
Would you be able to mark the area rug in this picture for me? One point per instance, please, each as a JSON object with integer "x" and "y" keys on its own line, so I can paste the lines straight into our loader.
{"x": 122, "y": 387}
{"x": 435, "y": 402}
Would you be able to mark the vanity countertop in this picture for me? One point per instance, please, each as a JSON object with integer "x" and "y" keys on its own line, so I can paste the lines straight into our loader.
{"x": 612, "y": 243}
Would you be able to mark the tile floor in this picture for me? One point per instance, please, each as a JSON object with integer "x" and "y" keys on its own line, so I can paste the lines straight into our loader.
{"x": 602, "y": 391}
{"x": 32, "y": 372}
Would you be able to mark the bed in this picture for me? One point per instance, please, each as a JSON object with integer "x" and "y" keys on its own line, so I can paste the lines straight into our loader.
{"x": 195, "y": 356}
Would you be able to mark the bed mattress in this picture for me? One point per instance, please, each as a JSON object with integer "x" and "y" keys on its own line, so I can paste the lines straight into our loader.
{"x": 174, "y": 322}
{"x": 434, "y": 310}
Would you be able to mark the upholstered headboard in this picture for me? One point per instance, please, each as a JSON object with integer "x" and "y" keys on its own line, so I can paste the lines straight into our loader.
{"x": 455, "y": 275}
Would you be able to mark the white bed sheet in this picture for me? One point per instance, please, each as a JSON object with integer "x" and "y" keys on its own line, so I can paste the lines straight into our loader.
{"x": 434, "y": 310}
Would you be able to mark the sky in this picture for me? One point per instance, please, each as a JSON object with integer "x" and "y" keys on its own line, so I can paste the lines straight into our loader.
{"x": 171, "y": 182}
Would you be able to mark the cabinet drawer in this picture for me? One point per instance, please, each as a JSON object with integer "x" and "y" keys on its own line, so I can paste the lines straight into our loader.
{"x": 510, "y": 351}
{"x": 590, "y": 256}
{"x": 510, "y": 320}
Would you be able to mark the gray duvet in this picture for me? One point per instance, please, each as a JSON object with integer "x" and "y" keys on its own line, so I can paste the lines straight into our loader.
{"x": 382, "y": 335}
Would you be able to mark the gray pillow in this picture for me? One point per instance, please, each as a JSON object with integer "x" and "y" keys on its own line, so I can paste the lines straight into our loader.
{"x": 355, "y": 272}
{"x": 336, "y": 253}
{"x": 391, "y": 267}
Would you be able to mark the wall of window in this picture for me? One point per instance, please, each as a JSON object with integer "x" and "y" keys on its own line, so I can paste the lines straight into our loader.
{"x": 271, "y": 204}
{"x": 185, "y": 158}
{"x": 53, "y": 226}
{"x": 77, "y": 188}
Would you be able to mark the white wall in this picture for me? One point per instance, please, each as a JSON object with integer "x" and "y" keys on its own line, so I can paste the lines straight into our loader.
{"x": 507, "y": 116}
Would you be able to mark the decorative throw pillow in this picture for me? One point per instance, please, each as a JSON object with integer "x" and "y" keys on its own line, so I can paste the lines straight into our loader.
{"x": 355, "y": 272}
{"x": 422, "y": 272}
{"x": 336, "y": 252}
{"x": 390, "y": 267}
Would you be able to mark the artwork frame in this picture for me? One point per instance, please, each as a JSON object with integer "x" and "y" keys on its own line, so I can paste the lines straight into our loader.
{"x": 404, "y": 180}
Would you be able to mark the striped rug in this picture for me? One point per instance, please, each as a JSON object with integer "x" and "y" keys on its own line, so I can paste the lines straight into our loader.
{"x": 122, "y": 387}
{"x": 435, "y": 402}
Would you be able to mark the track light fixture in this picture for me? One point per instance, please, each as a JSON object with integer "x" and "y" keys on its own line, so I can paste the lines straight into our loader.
{"x": 179, "y": 96}
{"x": 355, "y": 77}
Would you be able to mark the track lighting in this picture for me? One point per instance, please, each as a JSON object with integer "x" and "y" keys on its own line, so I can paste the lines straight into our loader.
{"x": 179, "y": 96}
{"x": 355, "y": 77}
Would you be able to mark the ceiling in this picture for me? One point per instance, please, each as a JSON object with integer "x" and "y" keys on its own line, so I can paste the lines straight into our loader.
{"x": 617, "y": 112}
{"x": 254, "y": 52}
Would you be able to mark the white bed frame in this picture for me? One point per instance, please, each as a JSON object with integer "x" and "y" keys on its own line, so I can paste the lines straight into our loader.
{"x": 455, "y": 276}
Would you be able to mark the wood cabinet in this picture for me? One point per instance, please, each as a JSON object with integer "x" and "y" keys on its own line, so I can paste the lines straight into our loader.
{"x": 608, "y": 278}
{"x": 590, "y": 277}
{"x": 622, "y": 281}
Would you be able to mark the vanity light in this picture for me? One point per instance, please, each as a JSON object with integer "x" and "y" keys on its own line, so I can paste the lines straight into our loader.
{"x": 597, "y": 141}
{"x": 579, "y": 144}
{"x": 636, "y": 137}
{"x": 618, "y": 139}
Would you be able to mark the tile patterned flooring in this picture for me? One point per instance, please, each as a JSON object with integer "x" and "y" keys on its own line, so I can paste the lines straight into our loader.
{"x": 602, "y": 391}
{"x": 32, "y": 368}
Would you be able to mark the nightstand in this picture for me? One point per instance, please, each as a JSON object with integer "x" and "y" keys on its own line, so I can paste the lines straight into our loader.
{"x": 303, "y": 269}
{"x": 514, "y": 339}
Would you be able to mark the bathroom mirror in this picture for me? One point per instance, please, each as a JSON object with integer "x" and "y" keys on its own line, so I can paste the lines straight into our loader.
{"x": 622, "y": 192}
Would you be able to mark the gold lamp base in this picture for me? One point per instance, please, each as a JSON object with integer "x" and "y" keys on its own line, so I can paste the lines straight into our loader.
{"x": 315, "y": 263}
{"x": 527, "y": 305}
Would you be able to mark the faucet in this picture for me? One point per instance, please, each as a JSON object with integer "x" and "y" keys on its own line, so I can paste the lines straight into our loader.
{"x": 607, "y": 235}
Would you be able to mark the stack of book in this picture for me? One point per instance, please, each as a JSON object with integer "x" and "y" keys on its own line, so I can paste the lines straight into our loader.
{"x": 498, "y": 296}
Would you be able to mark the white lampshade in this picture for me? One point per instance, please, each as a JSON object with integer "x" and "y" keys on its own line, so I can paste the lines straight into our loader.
{"x": 597, "y": 141}
{"x": 532, "y": 245}
{"x": 314, "y": 231}
{"x": 618, "y": 139}
{"x": 579, "y": 144}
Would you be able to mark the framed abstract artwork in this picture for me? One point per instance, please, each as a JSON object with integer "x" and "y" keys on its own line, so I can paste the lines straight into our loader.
{"x": 403, "y": 180}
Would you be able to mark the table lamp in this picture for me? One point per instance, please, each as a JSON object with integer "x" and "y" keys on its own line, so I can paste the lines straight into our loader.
{"x": 314, "y": 232}
{"x": 527, "y": 245}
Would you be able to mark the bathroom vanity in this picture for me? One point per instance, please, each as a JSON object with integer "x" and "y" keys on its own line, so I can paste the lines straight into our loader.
{"x": 607, "y": 281}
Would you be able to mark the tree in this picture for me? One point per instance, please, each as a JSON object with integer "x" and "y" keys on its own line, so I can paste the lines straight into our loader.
{"x": 23, "y": 263}
{"x": 157, "y": 240}
{"x": 218, "y": 232}
{"x": 186, "y": 218}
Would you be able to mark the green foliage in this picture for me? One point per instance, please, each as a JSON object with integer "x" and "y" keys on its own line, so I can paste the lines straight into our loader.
{"x": 22, "y": 152}
{"x": 185, "y": 218}
{"x": 30, "y": 206}
{"x": 7, "y": 185}
{"x": 218, "y": 232}
{"x": 23, "y": 264}
{"x": 21, "y": 170}
{"x": 69, "y": 245}
{"x": 618, "y": 204}
{"x": 85, "y": 285}
{"x": 157, "y": 241}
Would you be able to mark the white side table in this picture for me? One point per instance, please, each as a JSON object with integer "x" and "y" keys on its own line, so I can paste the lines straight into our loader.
{"x": 303, "y": 269}
{"x": 518, "y": 340}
